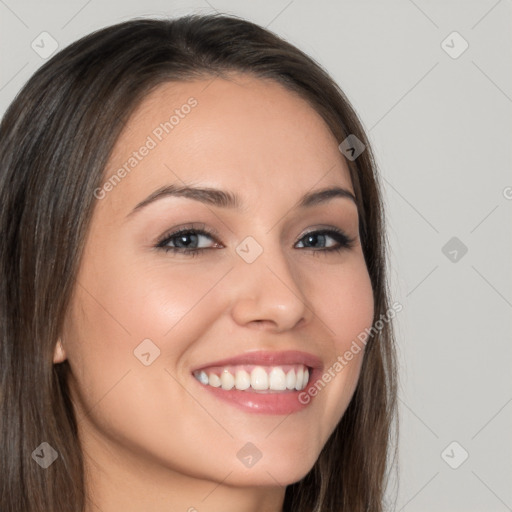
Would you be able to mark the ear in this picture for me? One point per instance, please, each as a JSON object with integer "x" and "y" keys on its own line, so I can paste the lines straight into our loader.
{"x": 59, "y": 355}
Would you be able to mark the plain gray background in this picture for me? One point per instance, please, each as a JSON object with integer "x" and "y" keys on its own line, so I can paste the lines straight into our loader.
{"x": 440, "y": 123}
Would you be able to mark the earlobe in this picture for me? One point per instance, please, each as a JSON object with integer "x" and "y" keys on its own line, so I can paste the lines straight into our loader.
{"x": 59, "y": 355}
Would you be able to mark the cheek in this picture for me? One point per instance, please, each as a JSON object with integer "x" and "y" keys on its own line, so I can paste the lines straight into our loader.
{"x": 129, "y": 302}
{"x": 142, "y": 408}
{"x": 346, "y": 307}
{"x": 349, "y": 306}
{"x": 342, "y": 297}
{"x": 122, "y": 319}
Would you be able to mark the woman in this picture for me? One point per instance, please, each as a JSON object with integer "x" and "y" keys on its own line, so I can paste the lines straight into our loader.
{"x": 175, "y": 335}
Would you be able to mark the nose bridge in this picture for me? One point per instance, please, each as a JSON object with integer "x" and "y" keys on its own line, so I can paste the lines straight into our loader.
{"x": 268, "y": 288}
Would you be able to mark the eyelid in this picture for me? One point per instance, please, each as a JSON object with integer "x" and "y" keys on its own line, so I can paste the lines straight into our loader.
{"x": 199, "y": 227}
{"x": 348, "y": 241}
{"x": 342, "y": 238}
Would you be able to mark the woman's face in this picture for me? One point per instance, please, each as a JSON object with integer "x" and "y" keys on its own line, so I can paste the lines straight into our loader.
{"x": 266, "y": 297}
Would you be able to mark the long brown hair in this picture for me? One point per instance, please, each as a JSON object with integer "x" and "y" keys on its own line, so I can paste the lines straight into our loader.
{"x": 55, "y": 141}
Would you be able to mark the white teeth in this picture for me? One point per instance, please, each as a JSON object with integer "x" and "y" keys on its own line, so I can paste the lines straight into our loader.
{"x": 300, "y": 376}
{"x": 290, "y": 379}
{"x": 277, "y": 379}
{"x": 214, "y": 380}
{"x": 259, "y": 379}
{"x": 227, "y": 380}
{"x": 242, "y": 380}
{"x": 202, "y": 378}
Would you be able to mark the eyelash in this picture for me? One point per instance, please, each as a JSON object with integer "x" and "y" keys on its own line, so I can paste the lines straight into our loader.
{"x": 345, "y": 242}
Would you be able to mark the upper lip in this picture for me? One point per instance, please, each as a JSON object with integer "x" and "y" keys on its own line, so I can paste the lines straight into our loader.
{"x": 267, "y": 358}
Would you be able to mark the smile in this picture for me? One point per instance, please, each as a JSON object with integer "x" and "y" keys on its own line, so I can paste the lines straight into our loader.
{"x": 270, "y": 379}
{"x": 265, "y": 382}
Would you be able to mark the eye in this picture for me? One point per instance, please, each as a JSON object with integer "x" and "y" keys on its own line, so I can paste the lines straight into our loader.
{"x": 342, "y": 241}
{"x": 188, "y": 241}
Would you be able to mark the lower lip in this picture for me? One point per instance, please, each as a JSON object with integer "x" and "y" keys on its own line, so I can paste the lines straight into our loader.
{"x": 284, "y": 402}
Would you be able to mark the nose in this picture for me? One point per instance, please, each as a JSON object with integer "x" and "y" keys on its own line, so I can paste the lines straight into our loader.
{"x": 268, "y": 293}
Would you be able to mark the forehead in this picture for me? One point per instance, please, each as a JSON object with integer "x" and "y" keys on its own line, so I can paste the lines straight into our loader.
{"x": 242, "y": 133}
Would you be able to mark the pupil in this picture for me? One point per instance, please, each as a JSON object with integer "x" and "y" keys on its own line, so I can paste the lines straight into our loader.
{"x": 313, "y": 238}
{"x": 184, "y": 237}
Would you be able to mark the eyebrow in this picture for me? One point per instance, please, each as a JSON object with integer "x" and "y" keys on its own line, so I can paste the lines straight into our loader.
{"x": 226, "y": 199}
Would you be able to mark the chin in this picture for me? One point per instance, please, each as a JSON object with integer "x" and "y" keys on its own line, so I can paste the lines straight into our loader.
{"x": 280, "y": 468}
{"x": 266, "y": 476}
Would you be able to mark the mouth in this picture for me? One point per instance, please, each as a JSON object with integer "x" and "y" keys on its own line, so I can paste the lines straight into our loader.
{"x": 256, "y": 379}
{"x": 263, "y": 382}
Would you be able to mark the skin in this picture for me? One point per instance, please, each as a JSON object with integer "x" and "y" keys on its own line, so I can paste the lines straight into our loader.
{"x": 153, "y": 438}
